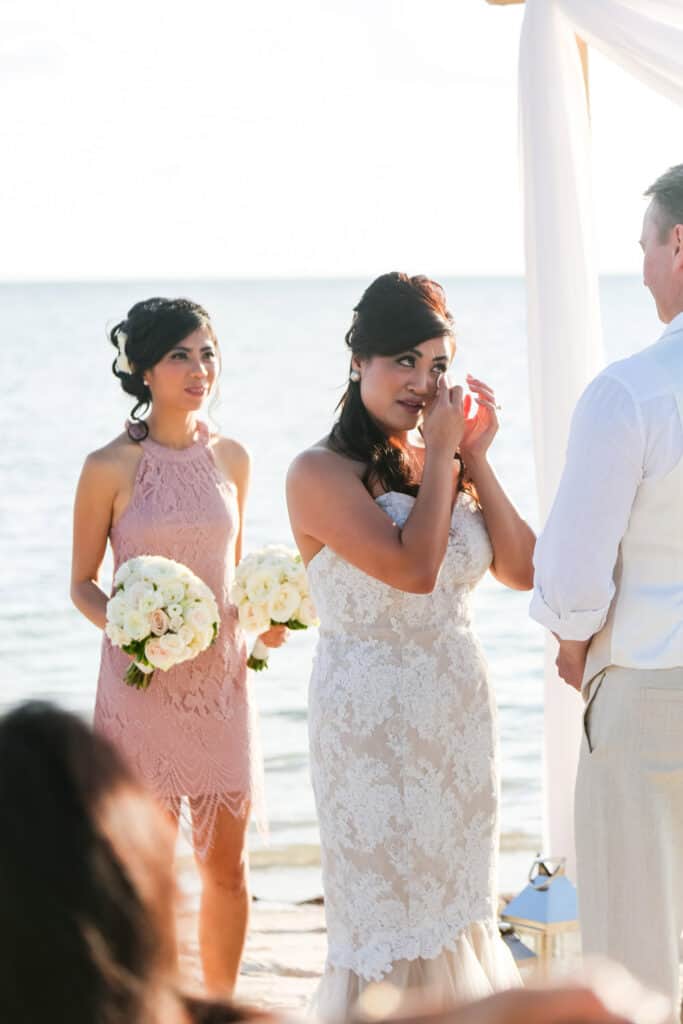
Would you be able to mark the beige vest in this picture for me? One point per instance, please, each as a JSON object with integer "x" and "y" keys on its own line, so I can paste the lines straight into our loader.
{"x": 644, "y": 628}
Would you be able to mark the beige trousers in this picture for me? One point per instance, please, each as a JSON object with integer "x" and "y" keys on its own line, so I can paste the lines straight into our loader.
{"x": 629, "y": 823}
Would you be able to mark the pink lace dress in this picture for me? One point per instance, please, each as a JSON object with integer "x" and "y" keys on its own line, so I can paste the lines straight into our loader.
{"x": 192, "y": 733}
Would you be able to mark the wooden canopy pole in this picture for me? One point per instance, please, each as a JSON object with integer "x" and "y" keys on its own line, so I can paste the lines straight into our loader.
{"x": 583, "y": 49}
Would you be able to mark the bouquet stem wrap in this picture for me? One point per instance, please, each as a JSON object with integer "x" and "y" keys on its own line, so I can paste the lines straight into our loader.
{"x": 138, "y": 675}
{"x": 258, "y": 659}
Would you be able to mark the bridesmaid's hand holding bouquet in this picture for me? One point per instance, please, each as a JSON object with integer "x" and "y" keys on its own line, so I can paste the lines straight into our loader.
{"x": 161, "y": 614}
{"x": 271, "y": 589}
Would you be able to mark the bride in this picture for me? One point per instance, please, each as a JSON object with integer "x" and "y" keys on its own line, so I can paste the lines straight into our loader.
{"x": 396, "y": 532}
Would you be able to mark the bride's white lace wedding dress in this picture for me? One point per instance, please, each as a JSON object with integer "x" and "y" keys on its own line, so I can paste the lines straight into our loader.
{"x": 403, "y": 762}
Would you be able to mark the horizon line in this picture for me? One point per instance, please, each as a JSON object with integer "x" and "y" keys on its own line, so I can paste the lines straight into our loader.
{"x": 267, "y": 278}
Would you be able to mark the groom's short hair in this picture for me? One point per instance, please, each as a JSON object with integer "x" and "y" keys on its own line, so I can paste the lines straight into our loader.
{"x": 667, "y": 191}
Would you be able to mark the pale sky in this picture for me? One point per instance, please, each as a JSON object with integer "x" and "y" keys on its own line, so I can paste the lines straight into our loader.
{"x": 154, "y": 138}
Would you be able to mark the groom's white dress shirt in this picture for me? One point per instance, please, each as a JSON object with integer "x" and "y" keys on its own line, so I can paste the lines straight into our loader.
{"x": 621, "y": 490}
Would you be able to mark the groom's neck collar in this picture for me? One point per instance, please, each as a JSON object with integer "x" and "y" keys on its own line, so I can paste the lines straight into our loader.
{"x": 675, "y": 325}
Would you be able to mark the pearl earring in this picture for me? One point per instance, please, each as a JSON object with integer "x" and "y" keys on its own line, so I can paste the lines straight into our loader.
{"x": 354, "y": 376}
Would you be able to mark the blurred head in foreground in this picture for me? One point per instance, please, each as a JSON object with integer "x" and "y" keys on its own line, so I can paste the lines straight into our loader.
{"x": 86, "y": 885}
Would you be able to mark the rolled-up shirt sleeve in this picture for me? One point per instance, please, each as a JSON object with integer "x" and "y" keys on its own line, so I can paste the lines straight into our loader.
{"x": 577, "y": 551}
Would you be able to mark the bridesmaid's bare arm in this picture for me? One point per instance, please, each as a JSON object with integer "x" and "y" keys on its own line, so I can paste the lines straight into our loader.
{"x": 97, "y": 489}
{"x": 234, "y": 461}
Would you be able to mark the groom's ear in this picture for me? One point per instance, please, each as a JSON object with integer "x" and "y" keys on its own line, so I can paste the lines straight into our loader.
{"x": 677, "y": 239}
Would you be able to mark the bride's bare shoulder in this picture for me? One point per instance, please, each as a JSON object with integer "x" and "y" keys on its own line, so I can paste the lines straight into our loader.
{"x": 321, "y": 464}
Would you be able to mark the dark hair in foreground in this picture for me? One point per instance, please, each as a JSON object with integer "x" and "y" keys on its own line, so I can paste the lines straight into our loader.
{"x": 151, "y": 329}
{"x": 667, "y": 190}
{"x": 395, "y": 313}
{"x": 74, "y": 932}
{"x": 86, "y": 884}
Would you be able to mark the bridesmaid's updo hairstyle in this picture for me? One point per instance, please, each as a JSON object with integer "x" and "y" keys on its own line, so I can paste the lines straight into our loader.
{"x": 395, "y": 313}
{"x": 151, "y": 329}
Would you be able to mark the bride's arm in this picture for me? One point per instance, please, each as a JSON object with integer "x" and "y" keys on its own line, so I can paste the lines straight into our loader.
{"x": 511, "y": 537}
{"x": 329, "y": 506}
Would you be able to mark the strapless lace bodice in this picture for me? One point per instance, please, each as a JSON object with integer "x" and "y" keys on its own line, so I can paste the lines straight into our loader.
{"x": 347, "y": 599}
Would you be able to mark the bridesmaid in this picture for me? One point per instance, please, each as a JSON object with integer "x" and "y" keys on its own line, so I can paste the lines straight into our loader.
{"x": 167, "y": 486}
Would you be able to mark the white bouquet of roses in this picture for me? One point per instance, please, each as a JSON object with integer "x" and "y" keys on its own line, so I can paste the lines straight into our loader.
{"x": 161, "y": 614}
{"x": 271, "y": 589}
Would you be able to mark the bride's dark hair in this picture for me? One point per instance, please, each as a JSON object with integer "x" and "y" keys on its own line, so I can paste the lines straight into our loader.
{"x": 150, "y": 330}
{"x": 395, "y": 313}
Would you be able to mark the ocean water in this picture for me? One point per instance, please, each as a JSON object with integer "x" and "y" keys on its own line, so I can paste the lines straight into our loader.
{"x": 284, "y": 368}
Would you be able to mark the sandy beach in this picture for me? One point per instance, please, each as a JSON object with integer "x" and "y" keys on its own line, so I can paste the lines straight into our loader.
{"x": 283, "y": 960}
{"x": 285, "y": 951}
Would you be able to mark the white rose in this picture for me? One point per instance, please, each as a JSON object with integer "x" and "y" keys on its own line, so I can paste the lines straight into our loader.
{"x": 176, "y": 623}
{"x": 284, "y": 602}
{"x": 150, "y": 601}
{"x": 159, "y": 622}
{"x": 204, "y": 638}
{"x": 199, "y": 617}
{"x": 200, "y": 592}
{"x": 173, "y": 592}
{"x": 307, "y": 614}
{"x": 116, "y": 609}
{"x": 135, "y": 592}
{"x": 254, "y": 617}
{"x": 136, "y": 624}
{"x": 122, "y": 574}
{"x": 297, "y": 574}
{"x": 247, "y": 565}
{"x": 165, "y": 651}
{"x": 159, "y": 569}
{"x": 261, "y": 584}
{"x": 211, "y": 612}
{"x": 186, "y": 634}
{"x": 114, "y": 633}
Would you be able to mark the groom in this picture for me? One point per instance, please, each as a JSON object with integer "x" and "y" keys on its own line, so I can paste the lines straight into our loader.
{"x": 609, "y": 584}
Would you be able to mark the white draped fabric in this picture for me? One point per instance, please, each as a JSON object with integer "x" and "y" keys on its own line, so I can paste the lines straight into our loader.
{"x": 565, "y": 346}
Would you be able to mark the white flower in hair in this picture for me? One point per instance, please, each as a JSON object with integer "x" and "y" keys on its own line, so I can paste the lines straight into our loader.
{"x": 122, "y": 363}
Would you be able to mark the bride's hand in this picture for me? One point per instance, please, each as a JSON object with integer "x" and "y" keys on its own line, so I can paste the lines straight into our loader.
{"x": 276, "y": 636}
{"x": 481, "y": 429}
{"x": 443, "y": 424}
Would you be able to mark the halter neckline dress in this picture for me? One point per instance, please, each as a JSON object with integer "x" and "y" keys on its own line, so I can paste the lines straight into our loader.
{"x": 192, "y": 733}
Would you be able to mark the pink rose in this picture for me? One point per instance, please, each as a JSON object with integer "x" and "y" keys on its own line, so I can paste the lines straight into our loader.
{"x": 165, "y": 651}
{"x": 159, "y": 622}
